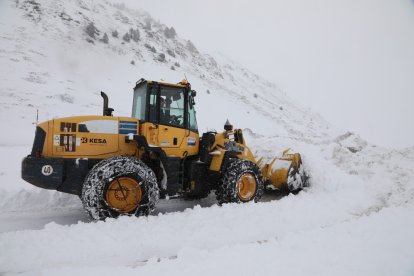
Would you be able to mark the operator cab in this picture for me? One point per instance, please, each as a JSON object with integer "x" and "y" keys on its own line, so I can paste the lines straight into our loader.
{"x": 165, "y": 104}
{"x": 167, "y": 115}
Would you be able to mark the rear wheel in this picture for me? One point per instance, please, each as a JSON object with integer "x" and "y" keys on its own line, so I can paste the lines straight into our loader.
{"x": 124, "y": 194}
{"x": 241, "y": 182}
{"x": 119, "y": 186}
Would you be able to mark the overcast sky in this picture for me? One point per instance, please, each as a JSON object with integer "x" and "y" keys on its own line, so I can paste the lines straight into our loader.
{"x": 350, "y": 60}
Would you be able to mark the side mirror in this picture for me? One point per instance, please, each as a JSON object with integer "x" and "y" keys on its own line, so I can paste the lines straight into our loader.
{"x": 193, "y": 93}
{"x": 191, "y": 102}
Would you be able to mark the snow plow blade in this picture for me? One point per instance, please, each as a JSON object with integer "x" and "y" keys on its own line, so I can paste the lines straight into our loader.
{"x": 285, "y": 172}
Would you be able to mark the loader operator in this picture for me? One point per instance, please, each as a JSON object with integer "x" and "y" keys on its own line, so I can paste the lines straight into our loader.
{"x": 165, "y": 117}
{"x": 165, "y": 113}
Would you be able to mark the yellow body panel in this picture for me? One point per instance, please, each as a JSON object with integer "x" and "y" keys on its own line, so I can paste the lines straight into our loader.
{"x": 246, "y": 154}
{"x": 219, "y": 150}
{"x": 170, "y": 137}
{"x": 217, "y": 161}
{"x": 150, "y": 131}
{"x": 88, "y": 137}
{"x": 101, "y": 137}
{"x": 188, "y": 147}
{"x": 187, "y": 142}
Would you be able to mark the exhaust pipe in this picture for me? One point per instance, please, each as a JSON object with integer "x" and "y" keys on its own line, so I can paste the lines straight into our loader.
{"x": 107, "y": 111}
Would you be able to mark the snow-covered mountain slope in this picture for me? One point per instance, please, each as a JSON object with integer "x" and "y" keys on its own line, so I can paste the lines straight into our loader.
{"x": 356, "y": 218}
{"x": 52, "y": 63}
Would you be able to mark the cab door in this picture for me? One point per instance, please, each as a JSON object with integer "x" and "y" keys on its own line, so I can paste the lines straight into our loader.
{"x": 171, "y": 130}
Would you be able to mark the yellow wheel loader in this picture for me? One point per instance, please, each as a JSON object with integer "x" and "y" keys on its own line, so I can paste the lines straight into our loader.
{"x": 122, "y": 165}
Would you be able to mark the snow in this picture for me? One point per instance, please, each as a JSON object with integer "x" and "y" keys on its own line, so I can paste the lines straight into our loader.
{"x": 358, "y": 252}
{"x": 355, "y": 219}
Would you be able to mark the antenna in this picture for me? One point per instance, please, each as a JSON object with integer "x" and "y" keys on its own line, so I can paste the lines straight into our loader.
{"x": 37, "y": 117}
{"x": 185, "y": 77}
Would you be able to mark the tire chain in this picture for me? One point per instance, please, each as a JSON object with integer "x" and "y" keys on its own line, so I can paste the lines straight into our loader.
{"x": 102, "y": 173}
{"x": 227, "y": 190}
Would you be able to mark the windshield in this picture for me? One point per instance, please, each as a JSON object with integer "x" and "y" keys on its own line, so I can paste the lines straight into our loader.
{"x": 166, "y": 106}
{"x": 140, "y": 99}
{"x": 172, "y": 106}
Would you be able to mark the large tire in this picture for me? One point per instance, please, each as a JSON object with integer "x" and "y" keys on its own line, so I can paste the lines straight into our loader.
{"x": 238, "y": 175}
{"x": 119, "y": 185}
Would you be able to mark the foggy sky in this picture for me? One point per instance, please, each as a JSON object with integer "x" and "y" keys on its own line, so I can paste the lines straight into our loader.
{"x": 350, "y": 60}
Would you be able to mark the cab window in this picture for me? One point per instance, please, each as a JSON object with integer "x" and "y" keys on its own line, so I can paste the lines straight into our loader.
{"x": 140, "y": 100}
{"x": 172, "y": 106}
{"x": 153, "y": 105}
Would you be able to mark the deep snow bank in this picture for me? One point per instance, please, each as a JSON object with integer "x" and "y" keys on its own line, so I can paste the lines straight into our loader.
{"x": 349, "y": 190}
{"x": 364, "y": 248}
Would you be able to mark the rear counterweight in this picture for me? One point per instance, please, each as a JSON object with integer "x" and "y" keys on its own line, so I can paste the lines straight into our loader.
{"x": 64, "y": 175}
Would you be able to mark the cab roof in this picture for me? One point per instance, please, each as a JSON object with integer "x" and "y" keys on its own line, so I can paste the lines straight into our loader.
{"x": 182, "y": 84}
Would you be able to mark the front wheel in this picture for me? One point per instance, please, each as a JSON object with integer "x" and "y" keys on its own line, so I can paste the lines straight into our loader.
{"x": 119, "y": 186}
{"x": 241, "y": 182}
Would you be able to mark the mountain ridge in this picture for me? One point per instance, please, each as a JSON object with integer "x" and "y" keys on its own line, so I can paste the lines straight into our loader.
{"x": 56, "y": 60}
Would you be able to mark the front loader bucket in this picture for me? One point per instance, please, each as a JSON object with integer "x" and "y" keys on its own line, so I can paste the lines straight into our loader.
{"x": 285, "y": 173}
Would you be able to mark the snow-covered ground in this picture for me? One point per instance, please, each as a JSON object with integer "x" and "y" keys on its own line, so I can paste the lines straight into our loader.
{"x": 355, "y": 219}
